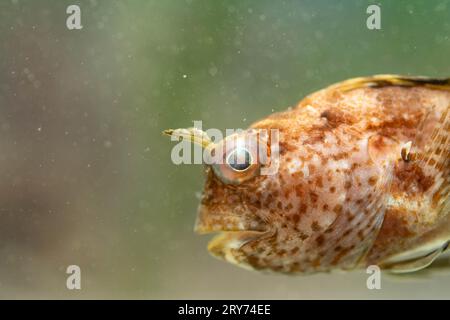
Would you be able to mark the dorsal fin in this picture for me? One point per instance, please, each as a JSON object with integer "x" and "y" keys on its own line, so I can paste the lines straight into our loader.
{"x": 385, "y": 80}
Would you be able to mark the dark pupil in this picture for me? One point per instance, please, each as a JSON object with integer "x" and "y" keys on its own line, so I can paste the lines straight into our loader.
{"x": 239, "y": 159}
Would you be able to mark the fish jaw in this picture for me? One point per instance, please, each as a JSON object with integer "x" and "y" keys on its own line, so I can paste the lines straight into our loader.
{"x": 227, "y": 208}
{"x": 227, "y": 246}
{"x": 210, "y": 221}
{"x": 234, "y": 231}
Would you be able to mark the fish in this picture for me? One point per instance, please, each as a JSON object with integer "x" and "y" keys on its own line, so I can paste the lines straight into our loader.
{"x": 362, "y": 178}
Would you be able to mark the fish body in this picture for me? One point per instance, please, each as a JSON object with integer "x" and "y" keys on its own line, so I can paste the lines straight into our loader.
{"x": 362, "y": 179}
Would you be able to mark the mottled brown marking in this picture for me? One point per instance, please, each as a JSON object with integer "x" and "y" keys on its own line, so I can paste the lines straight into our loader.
{"x": 340, "y": 255}
{"x": 338, "y": 209}
{"x": 315, "y": 226}
{"x": 313, "y": 196}
{"x": 320, "y": 240}
{"x": 409, "y": 175}
{"x": 319, "y": 182}
{"x": 303, "y": 208}
{"x": 336, "y": 117}
{"x": 373, "y": 180}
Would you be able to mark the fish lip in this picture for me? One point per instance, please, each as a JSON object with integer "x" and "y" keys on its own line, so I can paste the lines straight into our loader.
{"x": 228, "y": 238}
{"x": 202, "y": 229}
{"x": 238, "y": 222}
{"x": 223, "y": 237}
{"x": 224, "y": 242}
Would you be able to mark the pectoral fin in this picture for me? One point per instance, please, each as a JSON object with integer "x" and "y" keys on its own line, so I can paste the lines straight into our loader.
{"x": 414, "y": 261}
{"x": 435, "y": 162}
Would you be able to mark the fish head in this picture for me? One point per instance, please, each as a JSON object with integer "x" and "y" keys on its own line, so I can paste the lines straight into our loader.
{"x": 237, "y": 178}
{"x": 309, "y": 215}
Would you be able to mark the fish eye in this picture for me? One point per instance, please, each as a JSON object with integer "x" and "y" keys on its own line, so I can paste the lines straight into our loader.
{"x": 235, "y": 159}
{"x": 239, "y": 159}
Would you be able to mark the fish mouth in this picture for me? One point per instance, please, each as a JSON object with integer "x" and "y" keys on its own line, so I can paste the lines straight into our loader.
{"x": 231, "y": 229}
{"x": 232, "y": 232}
{"x": 217, "y": 221}
{"x": 226, "y": 245}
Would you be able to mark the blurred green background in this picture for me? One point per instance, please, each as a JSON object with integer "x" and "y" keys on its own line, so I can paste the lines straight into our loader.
{"x": 85, "y": 174}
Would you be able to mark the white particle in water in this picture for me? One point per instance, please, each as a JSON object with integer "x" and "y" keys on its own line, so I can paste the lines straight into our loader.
{"x": 213, "y": 71}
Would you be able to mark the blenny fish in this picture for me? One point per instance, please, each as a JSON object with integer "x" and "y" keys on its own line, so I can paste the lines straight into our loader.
{"x": 363, "y": 179}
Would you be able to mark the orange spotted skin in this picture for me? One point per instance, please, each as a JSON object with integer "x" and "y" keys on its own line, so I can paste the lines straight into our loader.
{"x": 343, "y": 197}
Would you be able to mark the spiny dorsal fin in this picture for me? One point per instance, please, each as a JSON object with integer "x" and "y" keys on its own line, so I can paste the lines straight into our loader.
{"x": 385, "y": 80}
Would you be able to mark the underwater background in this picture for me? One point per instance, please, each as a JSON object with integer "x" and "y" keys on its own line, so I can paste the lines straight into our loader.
{"x": 86, "y": 177}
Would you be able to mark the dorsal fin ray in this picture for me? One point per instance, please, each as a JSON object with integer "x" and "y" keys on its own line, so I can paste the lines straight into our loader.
{"x": 385, "y": 80}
